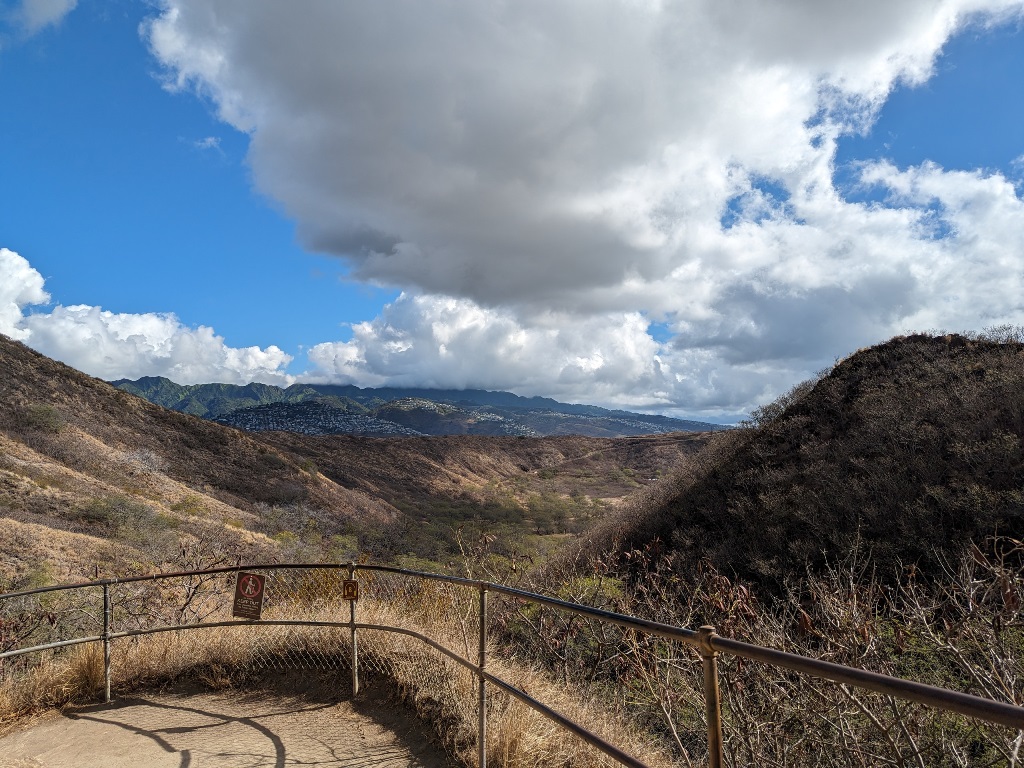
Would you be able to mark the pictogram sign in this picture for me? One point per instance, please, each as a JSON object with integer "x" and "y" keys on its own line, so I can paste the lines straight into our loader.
{"x": 349, "y": 590}
{"x": 249, "y": 591}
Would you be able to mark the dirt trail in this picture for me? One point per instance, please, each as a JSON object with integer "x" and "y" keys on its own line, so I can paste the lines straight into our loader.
{"x": 233, "y": 729}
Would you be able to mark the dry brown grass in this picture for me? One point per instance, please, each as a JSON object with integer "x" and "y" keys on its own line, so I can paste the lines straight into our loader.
{"x": 519, "y": 736}
{"x": 74, "y": 677}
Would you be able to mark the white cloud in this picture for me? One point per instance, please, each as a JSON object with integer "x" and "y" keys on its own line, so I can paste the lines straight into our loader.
{"x": 113, "y": 346}
{"x": 207, "y": 142}
{"x": 34, "y": 15}
{"x": 973, "y": 225}
{"x": 449, "y": 342}
{"x": 20, "y": 286}
{"x": 544, "y": 176}
{"x": 520, "y": 153}
{"x": 609, "y": 359}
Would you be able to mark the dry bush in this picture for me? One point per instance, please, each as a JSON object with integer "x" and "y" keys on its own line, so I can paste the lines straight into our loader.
{"x": 56, "y": 680}
{"x": 963, "y": 631}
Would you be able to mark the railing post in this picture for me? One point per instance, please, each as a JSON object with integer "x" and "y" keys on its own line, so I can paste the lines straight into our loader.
{"x": 355, "y": 642}
{"x": 712, "y": 695}
{"x": 106, "y": 641}
{"x": 482, "y": 692}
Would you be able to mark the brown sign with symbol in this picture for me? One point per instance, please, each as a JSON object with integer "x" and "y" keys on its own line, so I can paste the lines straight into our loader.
{"x": 349, "y": 590}
{"x": 248, "y": 595}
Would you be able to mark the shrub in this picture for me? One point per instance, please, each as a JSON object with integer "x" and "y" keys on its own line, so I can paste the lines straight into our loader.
{"x": 41, "y": 418}
{"x": 147, "y": 459}
{"x": 191, "y": 505}
{"x": 963, "y": 631}
{"x": 272, "y": 461}
{"x": 129, "y": 519}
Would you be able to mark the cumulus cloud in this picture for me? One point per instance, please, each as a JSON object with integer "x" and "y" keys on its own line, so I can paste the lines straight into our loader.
{"x": 548, "y": 177}
{"x": 610, "y": 359}
{"x": 445, "y": 342}
{"x": 20, "y": 286}
{"x": 113, "y": 346}
{"x": 34, "y": 15}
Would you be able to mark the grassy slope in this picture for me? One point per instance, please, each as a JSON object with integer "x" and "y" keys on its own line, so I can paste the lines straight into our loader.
{"x": 228, "y": 464}
{"x": 463, "y": 467}
{"x": 94, "y": 477}
{"x": 909, "y": 449}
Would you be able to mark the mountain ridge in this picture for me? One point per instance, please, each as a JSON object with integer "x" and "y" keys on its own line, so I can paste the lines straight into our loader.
{"x": 478, "y": 411}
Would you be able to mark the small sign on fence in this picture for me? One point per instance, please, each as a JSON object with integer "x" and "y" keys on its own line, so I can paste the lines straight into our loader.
{"x": 248, "y": 595}
{"x": 349, "y": 590}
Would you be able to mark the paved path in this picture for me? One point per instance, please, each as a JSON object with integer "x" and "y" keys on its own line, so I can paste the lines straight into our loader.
{"x": 230, "y": 729}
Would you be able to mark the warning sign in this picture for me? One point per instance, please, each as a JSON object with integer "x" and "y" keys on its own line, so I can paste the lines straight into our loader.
{"x": 349, "y": 590}
{"x": 248, "y": 595}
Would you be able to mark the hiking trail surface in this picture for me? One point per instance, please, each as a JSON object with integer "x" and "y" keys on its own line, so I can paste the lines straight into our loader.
{"x": 183, "y": 728}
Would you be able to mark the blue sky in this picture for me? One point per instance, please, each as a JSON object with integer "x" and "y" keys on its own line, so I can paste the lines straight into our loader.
{"x": 682, "y": 209}
{"x": 120, "y": 198}
{"x": 969, "y": 115}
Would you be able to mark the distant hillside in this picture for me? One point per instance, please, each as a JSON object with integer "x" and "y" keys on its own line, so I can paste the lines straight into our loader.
{"x": 906, "y": 451}
{"x": 94, "y": 477}
{"x": 213, "y": 400}
{"x": 392, "y": 411}
{"x": 310, "y": 418}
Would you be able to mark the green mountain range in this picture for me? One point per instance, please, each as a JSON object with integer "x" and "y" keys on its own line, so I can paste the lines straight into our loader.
{"x": 396, "y": 411}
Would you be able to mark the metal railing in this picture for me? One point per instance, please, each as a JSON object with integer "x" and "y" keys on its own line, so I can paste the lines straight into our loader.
{"x": 198, "y": 600}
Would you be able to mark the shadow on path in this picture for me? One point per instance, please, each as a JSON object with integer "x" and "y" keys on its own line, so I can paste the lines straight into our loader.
{"x": 196, "y": 728}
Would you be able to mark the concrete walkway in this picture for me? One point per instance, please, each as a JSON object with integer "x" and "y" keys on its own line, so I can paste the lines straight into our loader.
{"x": 232, "y": 729}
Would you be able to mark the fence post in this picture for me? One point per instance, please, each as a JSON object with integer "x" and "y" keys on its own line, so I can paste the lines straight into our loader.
{"x": 106, "y": 641}
{"x": 355, "y": 643}
{"x": 712, "y": 695}
{"x": 482, "y": 693}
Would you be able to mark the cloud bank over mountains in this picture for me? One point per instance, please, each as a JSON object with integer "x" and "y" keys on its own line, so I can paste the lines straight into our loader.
{"x": 627, "y": 202}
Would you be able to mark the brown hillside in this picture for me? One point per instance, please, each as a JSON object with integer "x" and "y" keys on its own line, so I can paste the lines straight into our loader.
{"x": 465, "y": 467}
{"x": 519, "y": 493}
{"x": 907, "y": 450}
{"x": 58, "y": 411}
{"x": 93, "y": 477}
